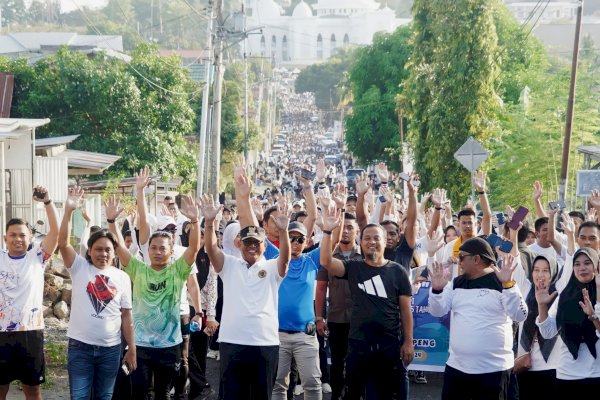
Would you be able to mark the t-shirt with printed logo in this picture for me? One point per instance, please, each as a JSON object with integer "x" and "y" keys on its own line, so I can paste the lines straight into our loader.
{"x": 156, "y": 298}
{"x": 22, "y": 290}
{"x": 375, "y": 295}
{"x": 97, "y": 298}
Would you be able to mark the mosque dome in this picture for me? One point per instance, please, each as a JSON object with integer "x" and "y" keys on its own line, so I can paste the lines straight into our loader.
{"x": 302, "y": 10}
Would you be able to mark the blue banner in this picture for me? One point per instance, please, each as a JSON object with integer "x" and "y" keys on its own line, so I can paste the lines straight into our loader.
{"x": 431, "y": 334}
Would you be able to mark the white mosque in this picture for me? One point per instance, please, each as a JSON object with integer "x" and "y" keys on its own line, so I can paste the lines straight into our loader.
{"x": 312, "y": 34}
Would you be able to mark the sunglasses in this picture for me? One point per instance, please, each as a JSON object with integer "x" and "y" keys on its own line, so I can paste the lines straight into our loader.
{"x": 297, "y": 239}
{"x": 461, "y": 257}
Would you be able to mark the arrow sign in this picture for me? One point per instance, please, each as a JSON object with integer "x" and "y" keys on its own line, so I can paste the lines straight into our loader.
{"x": 471, "y": 154}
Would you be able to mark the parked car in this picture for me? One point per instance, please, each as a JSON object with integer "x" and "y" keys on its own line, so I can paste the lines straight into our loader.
{"x": 351, "y": 175}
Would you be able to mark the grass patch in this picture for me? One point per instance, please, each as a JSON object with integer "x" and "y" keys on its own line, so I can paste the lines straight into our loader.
{"x": 56, "y": 361}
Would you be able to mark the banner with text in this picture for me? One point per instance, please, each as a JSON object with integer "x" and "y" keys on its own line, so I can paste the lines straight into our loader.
{"x": 431, "y": 334}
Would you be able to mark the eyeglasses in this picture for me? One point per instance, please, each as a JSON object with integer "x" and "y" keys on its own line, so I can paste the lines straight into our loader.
{"x": 297, "y": 239}
{"x": 461, "y": 257}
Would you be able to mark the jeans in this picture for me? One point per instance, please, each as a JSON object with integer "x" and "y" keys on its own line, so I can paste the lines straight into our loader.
{"x": 184, "y": 370}
{"x": 305, "y": 350}
{"x": 163, "y": 364}
{"x": 94, "y": 367}
{"x": 248, "y": 372}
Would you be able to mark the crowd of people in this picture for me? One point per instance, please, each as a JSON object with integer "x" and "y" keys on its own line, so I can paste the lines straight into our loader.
{"x": 310, "y": 284}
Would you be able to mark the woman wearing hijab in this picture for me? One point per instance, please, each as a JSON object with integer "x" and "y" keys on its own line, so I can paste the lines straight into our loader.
{"x": 540, "y": 380}
{"x": 575, "y": 317}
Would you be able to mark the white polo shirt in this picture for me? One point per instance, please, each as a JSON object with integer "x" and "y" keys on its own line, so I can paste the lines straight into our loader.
{"x": 250, "y": 302}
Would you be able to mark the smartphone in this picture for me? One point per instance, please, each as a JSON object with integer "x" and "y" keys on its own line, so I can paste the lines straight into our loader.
{"x": 39, "y": 195}
{"x": 557, "y": 205}
{"x": 500, "y": 217}
{"x": 493, "y": 240}
{"x": 306, "y": 174}
{"x": 505, "y": 246}
{"x": 519, "y": 216}
{"x": 404, "y": 176}
{"x": 125, "y": 368}
{"x": 382, "y": 199}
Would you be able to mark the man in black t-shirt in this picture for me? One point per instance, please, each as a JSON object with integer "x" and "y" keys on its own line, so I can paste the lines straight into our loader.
{"x": 381, "y": 294}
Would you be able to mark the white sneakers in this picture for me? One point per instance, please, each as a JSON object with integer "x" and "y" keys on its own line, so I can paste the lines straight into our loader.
{"x": 326, "y": 388}
{"x": 213, "y": 354}
{"x": 298, "y": 390}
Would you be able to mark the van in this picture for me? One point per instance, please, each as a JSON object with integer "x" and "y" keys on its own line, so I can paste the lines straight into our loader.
{"x": 332, "y": 160}
{"x": 351, "y": 175}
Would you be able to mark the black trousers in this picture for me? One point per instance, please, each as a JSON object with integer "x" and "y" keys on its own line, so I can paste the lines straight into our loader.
{"x": 248, "y": 372}
{"x": 375, "y": 371}
{"x": 537, "y": 384}
{"x": 338, "y": 345}
{"x": 462, "y": 386}
{"x": 323, "y": 359}
{"x": 197, "y": 363}
{"x": 163, "y": 364}
{"x": 567, "y": 389}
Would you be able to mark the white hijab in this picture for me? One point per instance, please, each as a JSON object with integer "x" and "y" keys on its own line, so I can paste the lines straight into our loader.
{"x": 229, "y": 234}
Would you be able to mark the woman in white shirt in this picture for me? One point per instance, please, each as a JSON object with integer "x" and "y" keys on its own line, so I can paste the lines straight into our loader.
{"x": 574, "y": 317}
{"x": 538, "y": 381}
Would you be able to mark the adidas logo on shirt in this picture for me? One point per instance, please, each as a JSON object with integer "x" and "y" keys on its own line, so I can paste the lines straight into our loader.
{"x": 374, "y": 287}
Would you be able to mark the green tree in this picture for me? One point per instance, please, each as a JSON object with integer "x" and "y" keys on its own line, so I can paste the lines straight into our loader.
{"x": 450, "y": 92}
{"x": 372, "y": 128}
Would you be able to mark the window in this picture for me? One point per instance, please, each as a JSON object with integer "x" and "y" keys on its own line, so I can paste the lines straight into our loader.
{"x": 284, "y": 49}
{"x": 346, "y": 40}
{"x": 333, "y": 44}
{"x": 262, "y": 46}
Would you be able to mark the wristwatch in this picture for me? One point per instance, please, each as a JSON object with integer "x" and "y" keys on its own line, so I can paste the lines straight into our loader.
{"x": 508, "y": 285}
{"x": 594, "y": 317}
{"x": 199, "y": 314}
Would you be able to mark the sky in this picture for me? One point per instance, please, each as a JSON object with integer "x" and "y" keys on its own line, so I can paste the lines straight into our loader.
{"x": 70, "y": 5}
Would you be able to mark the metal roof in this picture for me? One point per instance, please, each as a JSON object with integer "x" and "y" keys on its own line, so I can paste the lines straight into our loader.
{"x": 11, "y": 128}
{"x": 87, "y": 162}
{"x": 593, "y": 151}
{"x": 93, "y": 186}
{"x": 54, "y": 141}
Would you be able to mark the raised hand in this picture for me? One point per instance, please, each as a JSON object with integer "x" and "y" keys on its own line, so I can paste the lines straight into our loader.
{"x": 112, "y": 207}
{"x": 567, "y": 224}
{"x": 142, "y": 179}
{"x": 507, "y": 267}
{"x": 362, "y": 184}
{"x": 283, "y": 218}
{"x": 324, "y": 198}
{"x": 591, "y": 215}
{"x": 386, "y": 193}
{"x": 239, "y": 168}
{"x": 74, "y": 199}
{"x": 339, "y": 195}
{"x": 538, "y": 190}
{"x": 382, "y": 172}
{"x": 438, "y": 198}
{"x": 332, "y": 218}
{"x": 594, "y": 199}
{"x": 479, "y": 180}
{"x": 434, "y": 242}
{"x": 189, "y": 209}
{"x": 40, "y": 194}
{"x": 257, "y": 207}
{"x": 586, "y": 305}
{"x": 542, "y": 294}
{"x": 321, "y": 171}
{"x": 439, "y": 276}
{"x": 209, "y": 209}
{"x": 243, "y": 185}
{"x": 471, "y": 205}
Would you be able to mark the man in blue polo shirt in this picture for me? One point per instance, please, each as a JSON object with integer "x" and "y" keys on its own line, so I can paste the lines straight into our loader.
{"x": 296, "y": 319}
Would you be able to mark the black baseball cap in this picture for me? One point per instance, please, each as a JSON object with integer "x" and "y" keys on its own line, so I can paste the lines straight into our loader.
{"x": 297, "y": 227}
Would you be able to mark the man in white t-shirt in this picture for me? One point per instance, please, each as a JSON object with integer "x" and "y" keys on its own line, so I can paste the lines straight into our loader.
{"x": 21, "y": 293}
{"x": 249, "y": 337}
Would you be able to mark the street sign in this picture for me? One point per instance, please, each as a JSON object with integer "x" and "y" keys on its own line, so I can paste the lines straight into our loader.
{"x": 471, "y": 154}
{"x": 587, "y": 180}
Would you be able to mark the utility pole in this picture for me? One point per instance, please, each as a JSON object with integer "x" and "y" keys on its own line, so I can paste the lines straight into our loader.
{"x": 203, "y": 143}
{"x": 217, "y": 98}
{"x": 570, "y": 106}
{"x": 245, "y": 84}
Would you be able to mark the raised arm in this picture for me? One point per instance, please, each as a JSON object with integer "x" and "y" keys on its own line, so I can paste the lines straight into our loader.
{"x": 141, "y": 181}
{"x": 50, "y": 241}
{"x": 282, "y": 221}
{"x": 538, "y": 190}
{"x": 189, "y": 209}
{"x": 568, "y": 226}
{"x": 311, "y": 204}
{"x": 438, "y": 198}
{"x": 362, "y": 187}
{"x": 112, "y": 209}
{"x": 67, "y": 252}
{"x": 552, "y": 231}
{"x": 486, "y": 218}
{"x": 410, "y": 233}
{"x": 243, "y": 187}
{"x": 331, "y": 221}
{"x": 210, "y": 211}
